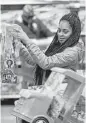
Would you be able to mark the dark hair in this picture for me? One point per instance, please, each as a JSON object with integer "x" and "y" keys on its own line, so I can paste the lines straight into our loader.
{"x": 56, "y": 47}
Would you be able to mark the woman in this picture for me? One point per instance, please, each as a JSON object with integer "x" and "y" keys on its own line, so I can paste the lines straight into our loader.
{"x": 66, "y": 50}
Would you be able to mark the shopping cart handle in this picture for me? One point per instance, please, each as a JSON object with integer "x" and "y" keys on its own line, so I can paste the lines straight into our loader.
{"x": 70, "y": 73}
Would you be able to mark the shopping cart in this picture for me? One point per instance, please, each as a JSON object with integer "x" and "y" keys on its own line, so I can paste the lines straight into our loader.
{"x": 35, "y": 110}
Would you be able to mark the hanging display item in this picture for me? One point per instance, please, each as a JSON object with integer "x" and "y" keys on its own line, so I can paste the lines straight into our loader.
{"x": 8, "y": 60}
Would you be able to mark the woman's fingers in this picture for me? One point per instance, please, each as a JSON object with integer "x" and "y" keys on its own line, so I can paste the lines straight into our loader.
{"x": 17, "y": 30}
{"x": 16, "y": 27}
{"x": 16, "y": 34}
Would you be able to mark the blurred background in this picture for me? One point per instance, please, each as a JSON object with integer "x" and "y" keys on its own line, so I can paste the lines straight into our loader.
{"x": 49, "y": 13}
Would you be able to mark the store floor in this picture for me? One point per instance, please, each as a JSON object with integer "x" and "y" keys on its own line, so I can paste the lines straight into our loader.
{"x": 6, "y": 109}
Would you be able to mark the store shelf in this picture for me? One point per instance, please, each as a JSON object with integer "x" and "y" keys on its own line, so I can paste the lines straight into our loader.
{"x": 8, "y": 2}
{"x": 9, "y": 96}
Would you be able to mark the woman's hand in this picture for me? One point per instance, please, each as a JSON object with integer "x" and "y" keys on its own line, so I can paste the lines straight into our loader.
{"x": 20, "y": 34}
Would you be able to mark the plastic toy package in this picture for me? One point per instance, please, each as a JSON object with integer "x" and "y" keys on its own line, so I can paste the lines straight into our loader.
{"x": 8, "y": 61}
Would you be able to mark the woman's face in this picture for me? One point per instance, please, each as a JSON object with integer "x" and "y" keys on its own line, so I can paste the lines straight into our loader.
{"x": 64, "y": 31}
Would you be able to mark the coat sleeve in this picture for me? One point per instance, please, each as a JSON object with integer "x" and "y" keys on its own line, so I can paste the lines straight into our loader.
{"x": 67, "y": 57}
{"x": 26, "y": 56}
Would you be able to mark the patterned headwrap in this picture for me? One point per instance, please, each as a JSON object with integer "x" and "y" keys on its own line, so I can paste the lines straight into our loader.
{"x": 56, "y": 47}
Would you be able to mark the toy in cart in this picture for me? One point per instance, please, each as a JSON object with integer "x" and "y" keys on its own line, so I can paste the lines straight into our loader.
{"x": 50, "y": 103}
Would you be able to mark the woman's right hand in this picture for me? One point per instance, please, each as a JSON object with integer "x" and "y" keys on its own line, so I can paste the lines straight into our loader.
{"x": 18, "y": 33}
